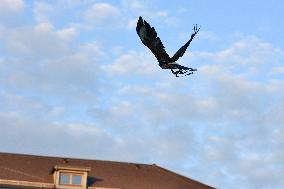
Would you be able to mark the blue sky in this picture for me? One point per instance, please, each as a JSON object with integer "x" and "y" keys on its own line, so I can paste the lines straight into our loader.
{"x": 75, "y": 80}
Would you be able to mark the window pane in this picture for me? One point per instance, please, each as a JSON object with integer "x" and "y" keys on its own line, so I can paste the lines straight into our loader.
{"x": 64, "y": 178}
{"x": 77, "y": 179}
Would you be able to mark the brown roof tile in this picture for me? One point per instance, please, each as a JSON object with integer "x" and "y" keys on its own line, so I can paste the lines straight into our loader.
{"x": 103, "y": 173}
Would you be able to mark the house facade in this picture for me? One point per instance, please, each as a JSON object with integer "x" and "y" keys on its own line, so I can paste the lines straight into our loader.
{"x": 30, "y": 171}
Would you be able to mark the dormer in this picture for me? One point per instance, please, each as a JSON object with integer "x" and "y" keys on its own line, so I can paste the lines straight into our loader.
{"x": 70, "y": 177}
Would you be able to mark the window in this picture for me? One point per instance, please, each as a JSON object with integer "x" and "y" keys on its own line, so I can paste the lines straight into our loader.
{"x": 77, "y": 179}
{"x": 64, "y": 178}
{"x": 70, "y": 179}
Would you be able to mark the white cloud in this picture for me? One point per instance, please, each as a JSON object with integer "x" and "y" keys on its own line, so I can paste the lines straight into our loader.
{"x": 7, "y": 6}
{"x": 100, "y": 11}
{"x": 42, "y": 131}
{"x": 94, "y": 49}
{"x": 79, "y": 129}
{"x": 279, "y": 70}
{"x": 143, "y": 8}
{"x": 250, "y": 51}
{"x": 23, "y": 105}
{"x": 103, "y": 14}
{"x": 207, "y": 35}
{"x": 41, "y": 59}
{"x": 131, "y": 24}
{"x": 42, "y": 11}
{"x": 123, "y": 15}
{"x": 67, "y": 34}
{"x": 39, "y": 41}
{"x": 250, "y": 57}
{"x": 134, "y": 4}
{"x": 57, "y": 111}
{"x": 133, "y": 64}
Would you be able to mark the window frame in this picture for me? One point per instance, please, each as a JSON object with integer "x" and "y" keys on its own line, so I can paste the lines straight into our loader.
{"x": 70, "y": 176}
{"x": 70, "y": 171}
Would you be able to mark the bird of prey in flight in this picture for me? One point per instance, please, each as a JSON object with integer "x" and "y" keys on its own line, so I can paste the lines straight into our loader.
{"x": 149, "y": 38}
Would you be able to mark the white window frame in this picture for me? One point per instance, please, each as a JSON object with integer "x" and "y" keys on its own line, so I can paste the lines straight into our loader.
{"x": 71, "y": 171}
{"x": 70, "y": 178}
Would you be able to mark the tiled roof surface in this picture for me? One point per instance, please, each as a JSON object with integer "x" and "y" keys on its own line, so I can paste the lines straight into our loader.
{"x": 103, "y": 173}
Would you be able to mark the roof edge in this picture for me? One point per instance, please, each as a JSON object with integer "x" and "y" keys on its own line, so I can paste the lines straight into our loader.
{"x": 14, "y": 183}
{"x": 177, "y": 175}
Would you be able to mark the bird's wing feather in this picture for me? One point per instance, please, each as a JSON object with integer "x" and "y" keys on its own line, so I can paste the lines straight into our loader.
{"x": 182, "y": 50}
{"x": 149, "y": 38}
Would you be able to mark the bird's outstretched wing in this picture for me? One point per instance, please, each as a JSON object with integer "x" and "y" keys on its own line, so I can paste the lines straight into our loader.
{"x": 149, "y": 38}
{"x": 182, "y": 50}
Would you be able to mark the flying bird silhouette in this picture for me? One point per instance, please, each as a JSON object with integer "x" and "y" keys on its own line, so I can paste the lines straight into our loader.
{"x": 149, "y": 38}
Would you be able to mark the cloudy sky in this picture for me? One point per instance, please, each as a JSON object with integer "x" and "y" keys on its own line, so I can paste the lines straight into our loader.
{"x": 76, "y": 81}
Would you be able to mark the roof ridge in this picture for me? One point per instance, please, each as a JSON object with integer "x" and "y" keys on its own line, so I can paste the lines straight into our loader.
{"x": 177, "y": 175}
{"x": 75, "y": 158}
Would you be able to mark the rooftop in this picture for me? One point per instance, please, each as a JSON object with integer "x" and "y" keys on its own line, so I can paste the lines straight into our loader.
{"x": 104, "y": 174}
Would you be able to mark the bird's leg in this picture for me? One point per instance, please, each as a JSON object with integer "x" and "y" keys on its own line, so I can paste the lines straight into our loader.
{"x": 178, "y": 72}
{"x": 186, "y": 72}
{"x": 183, "y": 72}
{"x": 175, "y": 72}
{"x": 189, "y": 73}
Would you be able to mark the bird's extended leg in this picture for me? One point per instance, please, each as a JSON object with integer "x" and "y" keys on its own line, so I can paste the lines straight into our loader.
{"x": 182, "y": 72}
{"x": 178, "y": 72}
{"x": 175, "y": 72}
